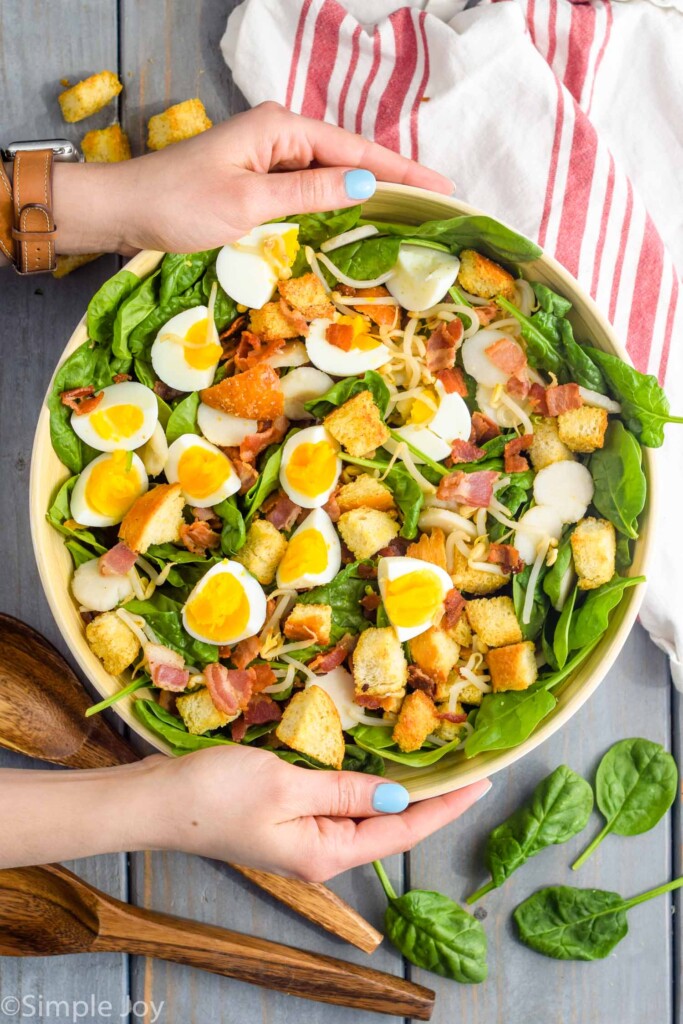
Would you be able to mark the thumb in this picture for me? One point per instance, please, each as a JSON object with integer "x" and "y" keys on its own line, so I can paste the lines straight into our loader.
{"x": 282, "y": 193}
{"x": 352, "y": 795}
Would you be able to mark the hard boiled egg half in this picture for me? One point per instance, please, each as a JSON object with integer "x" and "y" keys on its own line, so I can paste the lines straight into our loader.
{"x": 413, "y": 593}
{"x": 435, "y": 418}
{"x": 422, "y": 276}
{"x": 313, "y": 555}
{"x": 365, "y": 352}
{"x": 205, "y": 474}
{"x": 226, "y": 606}
{"x": 123, "y": 419}
{"x": 310, "y": 467}
{"x": 249, "y": 268}
{"x": 107, "y": 488}
{"x": 186, "y": 350}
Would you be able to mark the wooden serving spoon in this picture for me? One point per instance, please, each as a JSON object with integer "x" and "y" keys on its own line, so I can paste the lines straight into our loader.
{"x": 45, "y": 911}
{"x": 42, "y": 714}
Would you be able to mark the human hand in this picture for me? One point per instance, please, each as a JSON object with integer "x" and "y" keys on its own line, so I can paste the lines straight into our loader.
{"x": 212, "y": 189}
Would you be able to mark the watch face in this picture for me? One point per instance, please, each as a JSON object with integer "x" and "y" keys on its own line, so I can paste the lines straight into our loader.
{"x": 61, "y": 148}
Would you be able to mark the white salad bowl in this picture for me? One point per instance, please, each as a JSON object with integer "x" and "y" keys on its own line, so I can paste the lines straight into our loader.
{"x": 409, "y": 205}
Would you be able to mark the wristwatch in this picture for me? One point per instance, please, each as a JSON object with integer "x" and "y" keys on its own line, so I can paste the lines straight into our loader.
{"x": 27, "y": 226}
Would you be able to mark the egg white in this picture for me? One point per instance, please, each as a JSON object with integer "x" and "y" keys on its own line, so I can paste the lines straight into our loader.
{"x": 339, "y": 685}
{"x": 310, "y": 435}
{"x": 422, "y": 438}
{"x": 254, "y": 594}
{"x": 335, "y": 360}
{"x": 452, "y": 418}
{"x": 395, "y": 566}
{"x": 422, "y": 276}
{"x": 566, "y": 487}
{"x": 81, "y": 509}
{"x": 221, "y": 428}
{"x": 537, "y": 524}
{"x": 99, "y": 593}
{"x": 129, "y": 393}
{"x": 185, "y": 443}
{"x": 243, "y": 270}
{"x": 318, "y": 521}
{"x": 168, "y": 352}
{"x": 301, "y": 385}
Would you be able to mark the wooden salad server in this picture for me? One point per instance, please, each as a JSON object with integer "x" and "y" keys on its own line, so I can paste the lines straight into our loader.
{"x": 45, "y": 911}
{"x": 42, "y": 714}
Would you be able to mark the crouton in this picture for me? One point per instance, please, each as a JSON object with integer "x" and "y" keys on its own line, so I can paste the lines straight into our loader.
{"x": 431, "y": 547}
{"x": 67, "y": 264}
{"x": 106, "y": 145}
{"x": 357, "y": 425}
{"x": 365, "y": 492}
{"x": 512, "y": 667}
{"x": 383, "y": 316}
{"x": 113, "y": 642}
{"x": 481, "y": 276}
{"x": 181, "y": 121}
{"x": 416, "y": 720}
{"x": 309, "y": 622}
{"x": 311, "y": 724}
{"x": 494, "y": 621}
{"x": 379, "y": 665}
{"x": 594, "y": 547}
{"x": 435, "y": 652}
{"x": 474, "y": 581}
{"x": 446, "y": 730}
{"x": 461, "y": 632}
{"x": 547, "y": 447}
{"x": 306, "y": 294}
{"x": 270, "y": 323}
{"x": 262, "y": 551}
{"x": 89, "y": 96}
{"x": 366, "y": 531}
{"x": 154, "y": 518}
{"x": 470, "y": 695}
{"x": 255, "y": 394}
{"x": 200, "y": 714}
{"x": 583, "y": 430}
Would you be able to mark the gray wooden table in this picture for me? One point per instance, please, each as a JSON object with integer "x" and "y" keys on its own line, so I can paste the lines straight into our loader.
{"x": 166, "y": 51}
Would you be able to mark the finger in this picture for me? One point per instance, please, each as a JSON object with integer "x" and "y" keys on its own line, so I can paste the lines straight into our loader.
{"x": 349, "y": 795}
{"x": 309, "y": 191}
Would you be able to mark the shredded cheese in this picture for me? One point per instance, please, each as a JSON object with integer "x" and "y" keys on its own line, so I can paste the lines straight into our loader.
{"x": 541, "y": 552}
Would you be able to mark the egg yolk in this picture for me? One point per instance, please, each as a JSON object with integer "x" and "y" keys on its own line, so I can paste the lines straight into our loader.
{"x": 200, "y": 353}
{"x": 306, "y": 555}
{"x": 117, "y": 422}
{"x": 423, "y": 408}
{"x": 413, "y": 598}
{"x": 201, "y": 472}
{"x": 279, "y": 252}
{"x": 219, "y": 610}
{"x": 111, "y": 487}
{"x": 312, "y": 468}
{"x": 361, "y": 340}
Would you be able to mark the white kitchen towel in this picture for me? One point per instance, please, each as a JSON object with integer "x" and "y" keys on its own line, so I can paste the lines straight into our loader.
{"x": 563, "y": 119}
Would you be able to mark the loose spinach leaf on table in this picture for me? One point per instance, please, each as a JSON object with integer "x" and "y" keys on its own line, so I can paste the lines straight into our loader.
{"x": 635, "y": 785}
{"x": 89, "y": 364}
{"x": 578, "y": 924}
{"x": 233, "y": 534}
{"x": 183, "y": 419}
{"x": 559, "y": 809}
{"x": 590, "y": 621}
{"x": 434, "y": 933}
{"x": 343, "y": 594}
{"x": 506, "y": 719}
{"x": 105, "y": 302}
{"x": 539, "y": 609}
{"x": 377, "y": 739}
{"x": 132, "y": 311}
{"x": 348, "y": 388}
{"x": 620, "y": 484}
{"x": 469, "y": 232}
{"x": 180, "y": 270}
{"x": 164, "y": 616}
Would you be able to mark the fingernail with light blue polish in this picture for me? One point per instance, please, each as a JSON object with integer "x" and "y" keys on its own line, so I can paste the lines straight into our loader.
{"x": 360, "y": 184}
{"x": 390, "y": 798}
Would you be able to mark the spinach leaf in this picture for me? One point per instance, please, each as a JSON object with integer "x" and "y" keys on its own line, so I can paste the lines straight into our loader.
{"x": 559, "y": 809}
{"x": 550, "y": 301}
{"x": 268, "y": 481}
{"x": 343, "y": 594}
{"x": 552, "y": 679}
{"x": 233, "y": 534}
{"x": 132, "y": 311}
{"x": 434, "y": 933}
{"x": 561, "y": 636}
{"x": 187, "y": 568}
{"x": 180, "y": 270}
{"x": 164, "y": 616}
{"x": 408, "y": 497}
{"x": 315, "y": 228}
{"x": 469, "y": 232}
{"x": 224, "y": 310}
{"x": 635, "y": 785}
{"x": 578, "y": 924}
{"x": 644, "y": 406}
{"x": 142, "y": 336}
{"x": 358, "y": 760}
{"x": 620, "y": 484}
{"x": 624, "y": 557}
{"x": 539, "y": 609}
{"x": 173, "y": 729}
{"x": 89, "y": 364}
{"x": 183, "y": 419}
{"x": 377, "y": 739}
{"x": 104, "y": 303}
{"x": 79, "y": 554}
{"x": 590, "y": 620}
{"x": 541, "y": 350}
{"x": 506, "y": 719}
{"x": 554, "y": 578}
{"x": 59, "y": 513}
{"x": 580, "y": 368}
{"x": 366, "y": 259}
{"x": 347, "y": 388}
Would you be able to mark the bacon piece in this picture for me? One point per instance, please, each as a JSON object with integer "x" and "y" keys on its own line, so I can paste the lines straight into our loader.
{"x": 225, "y": 651}
{"x": 263, "y": 676}
{"x": 262, "y": 709}
{"x": 451, "y": 716}
{"x": 371, "y": 602}
{"x": 340, "y": 335}
{"x": 563, "y": 398}
{"x": 368, "y": 700}
{"x": 121, "y": 378}
{"x": 485, "y": 314}
{"x": 118, "y": 561}
{"x": 230, "y": 689}
{"x": 282, "y": 512}
{"x": 238, "y": 729}
{"x": 483, "y": 428}
{"x": 254, "y": 444}
{"x": 518, "y": 386}
{"x": 474, "y": 489}
{"x": 397, "y": 546}
{"x": 507, "y": 355}
{"x": 233, "y": 328}
{"x": 198, "y": 537}
{"x": 207, "y": 515}
{"x": 247, "y": 473}
{"x": 166, "y": 393}
{"x": 453, "y": 607}
{"x": 514, "y": 462}
{"x": 383, "y": 316}
{"x": 443, "y": 344}
{"x": 87, "y": 617}
{"x": 536, "y": 398}
{"x": 464, "y": 451}
{"x": 367, "y": 572}
{"x": 295, "y": 317}
{"x": 245, "y": 651}
{"x": 419, "y": 680}
{"x": 166, "y": 667}
{"x": 252, "y": 350}
{"x": 81, "y": 400}
{"x": 453, "y": 381}
{"x": 328, "y": 660}
{"x": 506, "y": 556}
{"x": 331, "y": 506}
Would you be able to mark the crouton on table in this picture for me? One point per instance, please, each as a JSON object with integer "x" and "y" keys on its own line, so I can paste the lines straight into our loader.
{"x": 512, "y": 667}
{"x": 310, "y": 724}
{"x": 365, "y": 492}
{"x": 309, "y": 622}
{"x": 417, "y": 719}
{"x": 106, "y": 145}
{"x": 366, "y": 531}
{"x": 583, "y": 430}
{"x": 200, "y": 714}
{"x": 154, "y": 518}
{"x": 113, "y": 642}
{"x": 494, "y": 621}
{"x": 181, "y": 121}
{"x": 547, "y": 447}
{"x": 379, "y": 665}
{"x": 89, "y": 96}
{"x": 262, "y": 551}
{"x": 481, "y": 276}
{"x": 357, "y": 425}
{"x": 475, "y": 581}
{"x": 306, "y": 294}
{"x": 594, "y": 547}
{"x": 435, "y": 652}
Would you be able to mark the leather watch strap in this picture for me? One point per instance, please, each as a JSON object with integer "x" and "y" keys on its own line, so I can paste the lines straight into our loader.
{"x": 34, "y": 227}
{"x": 6, "y": 216}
